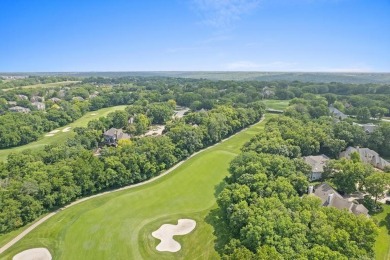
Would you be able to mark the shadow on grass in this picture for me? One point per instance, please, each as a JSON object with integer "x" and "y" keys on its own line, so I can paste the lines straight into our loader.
{"x": 385, "y": 222}
{"x": 219, "y": 188}
{"x": 215, "y": 219}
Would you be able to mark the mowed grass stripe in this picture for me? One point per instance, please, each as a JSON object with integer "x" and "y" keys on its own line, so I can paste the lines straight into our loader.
{"x": 60, "y": 137}
{"x": 382, "y": 245}
{"x": 119, "y": 225}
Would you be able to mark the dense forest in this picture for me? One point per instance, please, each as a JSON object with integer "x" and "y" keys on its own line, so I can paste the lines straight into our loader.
{"x": 264, "y": 207}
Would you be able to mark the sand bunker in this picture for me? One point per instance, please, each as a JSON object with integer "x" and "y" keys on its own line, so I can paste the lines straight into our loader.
{"x": 33, "y": 254}
{"x": 93, "y": 114}
{"x": 166, "y": 232}
{"x": 49, "y": 135}
{"x": 54, "y": 132}
{"x": 67, "y": 129}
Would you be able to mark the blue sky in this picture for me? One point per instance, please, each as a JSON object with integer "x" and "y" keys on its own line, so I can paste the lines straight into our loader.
{"x": 165, "y": 35}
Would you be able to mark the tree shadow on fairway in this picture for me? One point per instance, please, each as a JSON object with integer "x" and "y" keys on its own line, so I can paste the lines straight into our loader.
{"x": 215, "y": 219}
{"x": 386, "y": 222}
{"x": 218, "y": 188}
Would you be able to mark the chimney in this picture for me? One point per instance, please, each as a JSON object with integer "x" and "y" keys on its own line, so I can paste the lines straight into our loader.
{"x": 330, "y": 198}
{"x": 311, "y": 189}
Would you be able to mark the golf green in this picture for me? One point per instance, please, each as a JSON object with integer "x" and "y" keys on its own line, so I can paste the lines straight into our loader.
{"x": 119, "y": 225}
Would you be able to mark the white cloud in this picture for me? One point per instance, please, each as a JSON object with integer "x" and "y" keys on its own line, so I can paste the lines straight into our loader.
{"x": 221, "y": 13}
{"x": 271, "y": 66}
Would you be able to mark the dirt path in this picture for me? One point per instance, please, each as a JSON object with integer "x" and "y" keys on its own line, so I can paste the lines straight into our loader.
{"x": 42, "y": 220}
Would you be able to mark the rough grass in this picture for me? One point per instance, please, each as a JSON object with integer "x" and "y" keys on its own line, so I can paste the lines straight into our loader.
{"x": 119, "y": 225}
{"x": 276, "y": 104}
{"x": 382, "y": 245}
{"x": 46, "y": 85}
{"x": 60, "y": 137}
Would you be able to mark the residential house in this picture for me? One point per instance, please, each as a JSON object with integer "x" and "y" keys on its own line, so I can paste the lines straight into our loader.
{"x": 78, "y": 98}
{"x": 61, "y": 93}
{"x": 39, "y": 105}
{"x": 12, "y": 103}
{"x": 19, "y": 109}
{"x": 22, "y": 97}
{"x": 113, "y": 135}
{"x": 366, "y": 156}
{"x": 331, "y": 198}
{"x": 317, "y": 164}
{"x": 368, "y": 128}
{"x": 37, "y": 99}
{"x": 55, "y": 100}
{"x": 337, "y": 113}
{"x": 267, "y": 92}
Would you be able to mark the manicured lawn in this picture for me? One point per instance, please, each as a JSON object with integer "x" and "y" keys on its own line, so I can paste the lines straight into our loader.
{"x": 119, "y": 225}
{"x": 382, "y": 245}
{"x": 47, "y": 85}
{"x": 60, "y": 136}
{"x": 276, "y": 104}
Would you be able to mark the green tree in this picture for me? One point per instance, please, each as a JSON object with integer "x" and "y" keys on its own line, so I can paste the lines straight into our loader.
{"x": 376, "y": 184}
{"x": 363, "y": 114}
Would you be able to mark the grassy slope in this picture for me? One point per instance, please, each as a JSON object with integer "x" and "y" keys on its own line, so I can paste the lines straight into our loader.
{"x": 60, "y": 136}
{"x": 119, "y": 225}
{"x": 382, "y": 246}
{"x": 47, "y": 85}
{"x": 276, "y": 104}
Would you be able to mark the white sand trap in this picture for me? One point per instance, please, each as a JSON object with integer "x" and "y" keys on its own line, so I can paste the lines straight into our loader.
{"x": 67, "y": 129}
{"x": 93, "y": 114}
{"x": 49, "y": 135}
{"x": 33, "y": 254}
{"x": 54, "y": 132}
{"x": 166, "y": 232}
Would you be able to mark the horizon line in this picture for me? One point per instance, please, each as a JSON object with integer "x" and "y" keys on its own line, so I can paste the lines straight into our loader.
{"x": 207, "y": 71}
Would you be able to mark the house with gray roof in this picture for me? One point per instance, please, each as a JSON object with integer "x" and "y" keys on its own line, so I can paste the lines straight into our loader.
{"x": 337, "y": 113}
{"x": 55, "y": 100}
{"x": 366, "y": 156}
{"x": 368, "y": 128}
{"x": 331, "y": 198}
{"x": 317, "y": 163}
{"x": 39, "y": 105}
{"x": 22, "y": 97}
{"x": 37, "y": 99}
{"x": 19, "y": 109}
{"x": 78, "y": 98}
{"x": 113, "y": 135}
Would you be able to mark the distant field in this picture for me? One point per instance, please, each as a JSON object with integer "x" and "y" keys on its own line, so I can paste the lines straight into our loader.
{"x": 119, "y": 225}
{"x": 60, "y": 136}
{"x": 47, "y": 85}
{"x": 382, "y": 245}
{"x": 276, "y": 104}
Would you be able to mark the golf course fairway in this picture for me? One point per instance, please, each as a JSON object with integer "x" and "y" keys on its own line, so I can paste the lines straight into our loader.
{"x": 62, "y": 133}
{"x": 119, "y": 225}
